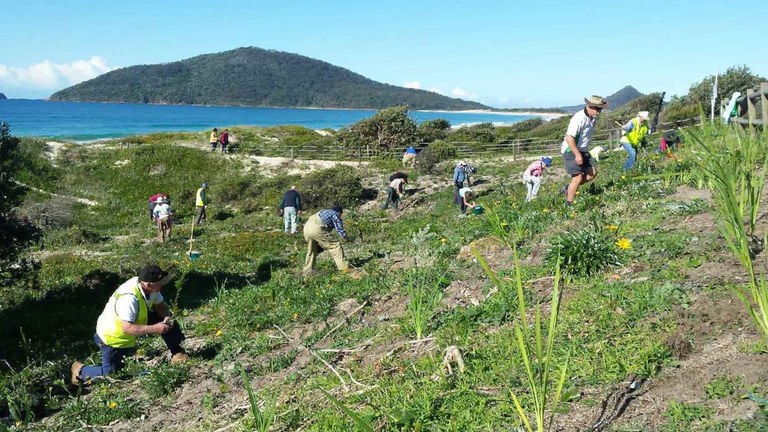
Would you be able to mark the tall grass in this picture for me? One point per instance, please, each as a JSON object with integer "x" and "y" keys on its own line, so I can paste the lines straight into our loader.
{"x": 424, "y": 298}
{"x": 537, "y": 352}
{"x": 263, "y": 418}
{"x": 734, "y": 161}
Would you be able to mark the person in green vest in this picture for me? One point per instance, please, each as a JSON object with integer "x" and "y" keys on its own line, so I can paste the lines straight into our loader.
{"x": 633, "y": 135}
{"x": 201, "y": 203}
{"x": 136, "y": 308}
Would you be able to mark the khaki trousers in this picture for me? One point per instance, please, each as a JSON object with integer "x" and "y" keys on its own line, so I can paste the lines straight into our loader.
{"x": 319, "y": 237}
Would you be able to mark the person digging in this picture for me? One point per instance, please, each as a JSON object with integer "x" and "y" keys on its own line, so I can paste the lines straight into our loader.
{"x": 136, "y": 308}
{"x": 317, "y": 233}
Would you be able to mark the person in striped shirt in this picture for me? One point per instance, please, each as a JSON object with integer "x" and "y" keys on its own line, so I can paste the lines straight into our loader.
{"x": 317, "y": 233}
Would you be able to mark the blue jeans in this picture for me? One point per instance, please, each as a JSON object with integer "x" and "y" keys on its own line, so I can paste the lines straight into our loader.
{"x": 113, "y": 359}
{"x": 631, "y": 156}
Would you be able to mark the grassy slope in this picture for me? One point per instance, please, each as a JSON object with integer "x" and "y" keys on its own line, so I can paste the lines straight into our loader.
{"x": 236, "y": 301}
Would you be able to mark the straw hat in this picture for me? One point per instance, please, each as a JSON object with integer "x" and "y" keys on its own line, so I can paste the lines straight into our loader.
{"x": 596, "y": 101}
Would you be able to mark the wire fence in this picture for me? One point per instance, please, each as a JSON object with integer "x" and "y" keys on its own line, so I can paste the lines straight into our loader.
{"x": 517, "y": 148}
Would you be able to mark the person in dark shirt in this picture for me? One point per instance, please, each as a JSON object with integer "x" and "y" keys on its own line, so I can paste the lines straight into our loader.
{"x": 224, "y": 140}
{"x": 290, "y": 208}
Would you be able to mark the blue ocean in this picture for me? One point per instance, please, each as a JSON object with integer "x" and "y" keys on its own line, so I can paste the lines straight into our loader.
{"x": 84, "y": 121}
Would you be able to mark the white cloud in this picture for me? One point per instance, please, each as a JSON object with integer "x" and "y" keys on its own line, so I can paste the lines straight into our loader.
{"x": 413, "y": 85}
{"x": 47, "y": 75}
{"x": 461, "y": 93}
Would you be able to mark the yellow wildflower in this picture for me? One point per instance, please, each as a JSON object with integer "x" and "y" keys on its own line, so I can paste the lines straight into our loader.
{"x": 623, "y": 177}
{"x": 218, "y": 333}
{"x": 611, "y": 227}
{"x": 443, "y": 240}
{"x": 546, "y": 210}
{"x": 112, "y": 405}
{"x": 295, "y": 315}
{"x": 624, "y": 243}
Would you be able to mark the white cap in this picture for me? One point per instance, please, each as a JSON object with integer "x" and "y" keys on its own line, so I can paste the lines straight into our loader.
{"x": 462, "y": 163}
{"x": 159, "y": 200}
{"x": 643, "y": 115}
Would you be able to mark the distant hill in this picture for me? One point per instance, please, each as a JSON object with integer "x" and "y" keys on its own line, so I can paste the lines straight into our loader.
{"x": 621, "y": 97}
{"x": 2, "y": 96}
{"x": 253, "y": 77}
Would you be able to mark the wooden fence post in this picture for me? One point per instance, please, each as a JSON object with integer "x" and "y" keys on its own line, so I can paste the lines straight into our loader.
{"x": 764, "y": 104}
{"x": 751, "y": 110}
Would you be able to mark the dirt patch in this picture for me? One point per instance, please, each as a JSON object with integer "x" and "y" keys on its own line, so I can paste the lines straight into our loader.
{"x": 494, "y": 252}
{"x": 726, "y": 270}
{"x": 687, "y": 193}
{"x": 272, "y": 166}
{"x": 463, "y": 294}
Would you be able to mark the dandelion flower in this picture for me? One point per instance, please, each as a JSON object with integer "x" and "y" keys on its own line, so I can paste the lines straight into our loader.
{"x": 112, "y": 405}
{"x": 624, "y": 243}
{"x": 443, "y": 240}
{"x": 295, "y": 315}
{"x": 623, "y": 177}
{"x": 611, "y": 227}
{"x": 546, "y": 210}
{"x": 218, "y": 333}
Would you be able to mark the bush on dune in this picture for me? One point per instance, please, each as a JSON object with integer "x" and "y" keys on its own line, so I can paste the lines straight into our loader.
{"x": 338, "y": 185}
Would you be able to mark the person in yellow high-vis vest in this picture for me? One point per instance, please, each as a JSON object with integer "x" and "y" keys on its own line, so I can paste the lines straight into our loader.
{"x": 201, "y": 203}
{"x": 136, "y": 308}
{"x": 633, "y": 134}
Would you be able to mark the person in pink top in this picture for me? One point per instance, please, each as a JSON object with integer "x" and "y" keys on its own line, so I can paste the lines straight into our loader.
{"x": 532, "y": 176}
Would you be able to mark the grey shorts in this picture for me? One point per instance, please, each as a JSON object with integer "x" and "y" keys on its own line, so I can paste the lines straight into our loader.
{"x": 573, "y": 169}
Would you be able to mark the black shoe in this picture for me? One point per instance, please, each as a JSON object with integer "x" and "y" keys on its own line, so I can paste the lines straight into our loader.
{"x": 564, "y": 190}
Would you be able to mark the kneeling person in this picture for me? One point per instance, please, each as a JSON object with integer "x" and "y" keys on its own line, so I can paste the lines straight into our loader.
{"x": 136, "y": 308}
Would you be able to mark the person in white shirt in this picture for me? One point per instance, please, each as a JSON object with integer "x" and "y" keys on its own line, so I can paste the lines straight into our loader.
{"x": 163, "y": 219}
{"x": 532, "y": 177}
{"x": 467, "y": 196}
{"x": 575, "y": 147}
{"x": 395, "y": 192}
{"x": 136, "y": 308}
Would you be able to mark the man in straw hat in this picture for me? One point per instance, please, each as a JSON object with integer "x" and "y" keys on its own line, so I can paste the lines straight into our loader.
{"x": 136, "y": 308}
{"x": 575, "y": 148}
{"x": 632, "y": 136}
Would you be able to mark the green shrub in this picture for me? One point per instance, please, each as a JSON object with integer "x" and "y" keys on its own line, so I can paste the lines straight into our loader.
{"x": 433, "y": 130}
{"x": 437, "y": 152}
{"x": 338, "y": 185}
{"x": 518, "y": 129}
{"x": 583, "y": 252}
{"x": 483, "y": 132}
{"x": 164, "y": 380}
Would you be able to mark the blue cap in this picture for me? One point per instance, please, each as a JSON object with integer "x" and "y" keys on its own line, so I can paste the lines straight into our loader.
{"x": 205, "y": 185}
{"x": 547, "y": 161}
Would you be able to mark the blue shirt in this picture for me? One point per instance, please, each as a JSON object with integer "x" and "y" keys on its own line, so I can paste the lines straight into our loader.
{"x": 410, "y": 150}
{"x": 332, "y": 219}
{"x": 459, "y": 173}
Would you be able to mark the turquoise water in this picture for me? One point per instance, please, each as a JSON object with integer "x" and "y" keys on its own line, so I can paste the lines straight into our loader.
{"x": 83, "y": 121}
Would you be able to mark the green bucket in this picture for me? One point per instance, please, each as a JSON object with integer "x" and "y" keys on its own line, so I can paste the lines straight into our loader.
{"x": 193, "y": 255}
{"x": 477, "y": 210}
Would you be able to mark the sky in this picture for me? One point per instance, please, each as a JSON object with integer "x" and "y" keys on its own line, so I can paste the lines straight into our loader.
{"x": 501, "y": 53}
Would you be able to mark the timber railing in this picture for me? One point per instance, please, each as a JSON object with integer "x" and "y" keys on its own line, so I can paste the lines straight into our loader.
{"x": 748, "y": 107}
{"x": 515, "y": 148}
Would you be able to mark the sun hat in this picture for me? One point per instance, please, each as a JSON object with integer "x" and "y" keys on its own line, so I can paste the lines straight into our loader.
{"x": 596, "y": 101}
{"x": 643, "y": 115}
{"x": 152, "y": 273}
{"x": 205, "y": 185}
{"x": 462, "y": 163}
{"x": 159, "y": 200}
{"x": 547, "y": 160}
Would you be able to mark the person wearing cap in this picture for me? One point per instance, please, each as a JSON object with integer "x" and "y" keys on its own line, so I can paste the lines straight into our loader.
{"x": 152, "y": 202}
{"x": 290, "y": 207}
{"x": 395, "y": 190}
{"x": 632, "y": 136}
{"x": 575, "y": 147}
{"x": 162, "y": 213}
{"x": 214, "y": 141}
{"x": 201, "y": 203}
{"x": 317, "y": 233}
{"x": 467, "y": 196}
{"x": 532, "y": 176}
{"x": 136, "y": 308}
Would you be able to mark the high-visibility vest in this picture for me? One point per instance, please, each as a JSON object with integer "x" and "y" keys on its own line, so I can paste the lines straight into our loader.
{"x": 638, "y": 132}
{"x": 200, "y": 200}
{"x": 109, "y": 327}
